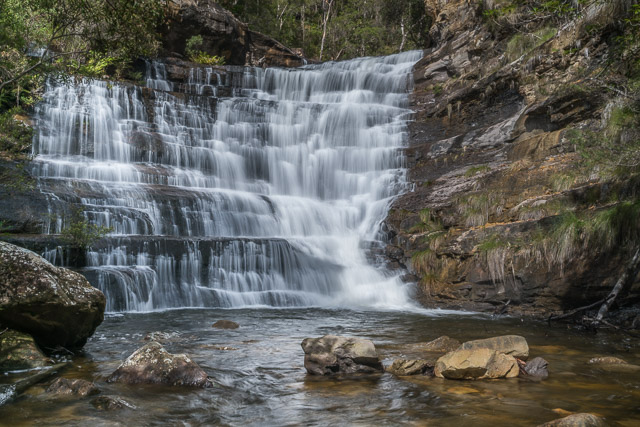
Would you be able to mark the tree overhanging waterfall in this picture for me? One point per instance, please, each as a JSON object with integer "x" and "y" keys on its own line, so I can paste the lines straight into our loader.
{"x": 250, "y": 187}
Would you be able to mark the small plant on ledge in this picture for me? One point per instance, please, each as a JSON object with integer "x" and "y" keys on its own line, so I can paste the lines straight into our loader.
{"x": 195, "y": 53}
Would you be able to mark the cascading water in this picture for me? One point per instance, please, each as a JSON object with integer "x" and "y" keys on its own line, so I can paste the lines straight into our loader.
{"x": 243, "y": 187}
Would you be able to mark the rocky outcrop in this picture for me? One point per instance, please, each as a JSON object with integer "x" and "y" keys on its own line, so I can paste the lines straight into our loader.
{"x": 72, "y": 387}
{"x": 331, "y": 354}
{"x": 576, "y": 420}
{"x": 223, "y": 35}
{"x": 19, "y": 351}
{"x": 58, "y": 307}
{"x": 475, "y": 364}
{"x": 512, "y": 345}
{"x": 152, "y": 364}
{"x": 492, "y": 165}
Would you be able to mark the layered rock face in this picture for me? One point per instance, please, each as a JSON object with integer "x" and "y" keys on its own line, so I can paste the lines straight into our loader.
{"x": 58, "y": 307}
{"x": 223, "y": 35}
{"x": 493, "y": 162}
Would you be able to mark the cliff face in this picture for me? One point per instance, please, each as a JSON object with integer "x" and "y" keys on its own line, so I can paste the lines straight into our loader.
{"x": 494, "y": 169}
{"x": 223, "y": 35}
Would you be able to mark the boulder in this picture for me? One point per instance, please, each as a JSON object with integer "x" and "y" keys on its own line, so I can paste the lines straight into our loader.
{"x": 512, "y": 345}
{"x": 576, "y": 420}
{"x": 405, "y": 367}
{"x": 223, "y": 35}
{"x": 75, "y": 387}
{"x": 111, "y": 403}
{"x": 152, "y": 364}
{"x": 473, "y": 364}
{"x": 442, "y": 344}
{"x": 537, "y": 367}
{"x": 56, "y": 306}
{"x": 225, "y": 324}
{"x": 332, "y": 354}
{"x": 19, "y": 351}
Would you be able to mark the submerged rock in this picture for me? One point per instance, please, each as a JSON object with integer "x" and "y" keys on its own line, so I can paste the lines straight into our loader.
{"x": 111, "y": 403}
{"x": 152, "y": 364}
{"x": 537, "y": 367}
{"x": 474, "y": 364}
{"x": 19, "y": 351}
{"x": 512, "y": 345}
{"x": 576, "y": 420}
{"x": 76, "y": 387}
{"x": 225, "y": 324}
{"x": 607, "y": 360}
{"x": 58, "y": 307}
{"x": 405, "y": 367}
{"x": 332, "y": 354}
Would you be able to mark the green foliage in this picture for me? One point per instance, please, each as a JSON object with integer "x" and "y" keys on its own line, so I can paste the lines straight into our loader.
{"x": 523, "y": 43}
{"x": 80, "y": 233}
{"x": 437, "y": 89}
{"x": 428, "y": 223}
{"x": 195, "y": 54}
{"x": 354, "y": 27}
{"x": 491, "y": 242}
{"x": 15, "y": 136}
{"x": 474, "y": 170}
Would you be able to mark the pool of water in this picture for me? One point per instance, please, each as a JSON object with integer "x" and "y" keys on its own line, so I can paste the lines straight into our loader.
{"x": 260, "y": 379}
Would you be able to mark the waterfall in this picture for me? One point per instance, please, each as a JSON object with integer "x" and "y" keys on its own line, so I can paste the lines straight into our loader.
{"x": 236, "y": 187}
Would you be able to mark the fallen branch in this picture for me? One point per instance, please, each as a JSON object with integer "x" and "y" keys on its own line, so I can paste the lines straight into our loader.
{"x": 575, "y": 311}
{"x": 622, "y": 286}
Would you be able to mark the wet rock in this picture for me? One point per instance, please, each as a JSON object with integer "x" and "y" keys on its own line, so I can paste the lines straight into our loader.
{"x": 537, "y": 367}
{"x": 576, "y": 420}
{"x": 607, "y": 360}
{"x": 405, "y": 367}
{"x": 152, "y": 364}
{"x": 19, "y": 351}
{"x": 56, "y": 306}
{"x": 161, "y": 336}
{"x": 442, "y": 344}
{"x": 332, "y": 354}
{"x": 76, "y": 387}
{"x": 225, "y": 324}
{"x": 512, "y": 345}
{"x": 473, "y": 364}
{"x": 111, "y": 403}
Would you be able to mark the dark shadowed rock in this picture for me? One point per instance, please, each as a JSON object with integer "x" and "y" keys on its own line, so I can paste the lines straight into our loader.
{"x": 111, "y": 403}
{"x": 331, "y": 354}
{"x": 404, "y": 367}
{"x": 537, "y": 367}
{"x": 225, "y": 324}
{"x": 512, "y": 345}
{"x": 58, "y": 307}
{"x": 152, "y": 364}
{"x": 223, "y": 35}
{"x": 75, "y": 387}
{"x": 19, "y": 351}
{"x": 474, "y": 364}
{"x": 576, "y": 420}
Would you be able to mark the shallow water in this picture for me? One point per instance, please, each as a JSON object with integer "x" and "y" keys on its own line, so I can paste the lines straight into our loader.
{"x": 260, "y": 379}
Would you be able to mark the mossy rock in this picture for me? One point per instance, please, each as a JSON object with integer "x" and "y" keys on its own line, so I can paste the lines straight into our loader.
{"x": 19, "y": 351}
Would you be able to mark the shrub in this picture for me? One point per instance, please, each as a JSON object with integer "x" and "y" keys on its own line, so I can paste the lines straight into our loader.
{"x": 195, "y": 53}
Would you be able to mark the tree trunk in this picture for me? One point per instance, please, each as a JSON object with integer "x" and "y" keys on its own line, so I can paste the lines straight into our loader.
{"x": 325, "y": 20}
{"x": 622, "y": 285}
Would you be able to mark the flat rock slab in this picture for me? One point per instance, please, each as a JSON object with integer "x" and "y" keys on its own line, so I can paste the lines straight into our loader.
{"x": 475, "y": 364}
{"x": 332, "y": 354}
{"x": 512, "y": 345}
{"x": 152, "y": 364}
{"x": 57, "y": 306}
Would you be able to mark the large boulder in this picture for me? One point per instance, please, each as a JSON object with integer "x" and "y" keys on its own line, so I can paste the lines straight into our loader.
{"x": 576, "y": 420}
{"x": 19, "y": 351}
{"x": 152, "y": 364}
{"x": 331, "y": 354}
{"x": 223, "y": 35}
{"x": 57, "y": 306}
{"x": 474, "y": 364}
{"x": 512, "y": 345}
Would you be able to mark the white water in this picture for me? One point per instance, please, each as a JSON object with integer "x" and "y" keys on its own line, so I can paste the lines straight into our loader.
{"x": 269, "y": 197}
